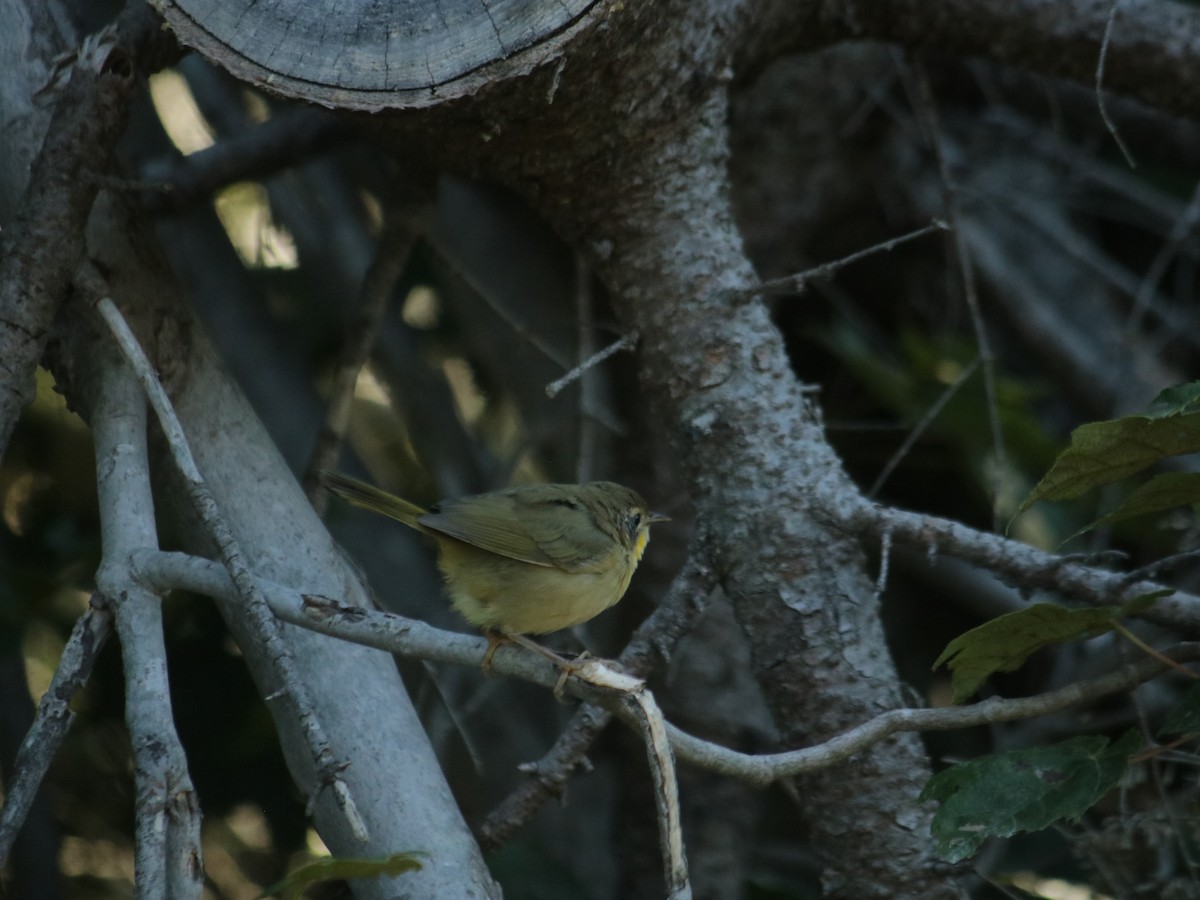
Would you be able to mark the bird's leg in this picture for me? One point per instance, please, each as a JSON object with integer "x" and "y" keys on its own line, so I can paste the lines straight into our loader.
{"x": 494, "y": 639}
{"x": 497, "y": 638}
{"x": 568, "y": 666}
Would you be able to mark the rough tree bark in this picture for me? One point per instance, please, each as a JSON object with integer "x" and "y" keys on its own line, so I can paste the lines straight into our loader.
{"x": 629, "y": 159}
{"x": 617, "y": 133}
{"x": 357, "y": 692}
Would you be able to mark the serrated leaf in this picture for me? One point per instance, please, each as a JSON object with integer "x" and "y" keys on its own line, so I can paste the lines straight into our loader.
{"x": 1174, "y": 400}
{"x": 330, "y": 868}
{"x": 1104, "y": 452}
{"x": 1185, "y": 718}
{"x": 1023, "y": 790}
{"x": 1161, "y": 492}
{"x": 1004, "y": 643}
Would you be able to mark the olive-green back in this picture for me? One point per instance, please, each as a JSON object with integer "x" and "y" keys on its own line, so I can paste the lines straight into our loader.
{"x": 542, "y": 524}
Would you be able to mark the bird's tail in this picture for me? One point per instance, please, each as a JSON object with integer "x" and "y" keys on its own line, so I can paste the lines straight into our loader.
{"x": 368, "y": 497}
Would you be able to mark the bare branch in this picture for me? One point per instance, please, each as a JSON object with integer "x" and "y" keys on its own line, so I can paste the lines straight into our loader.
{"x": 294, "y": 690}
{"x": 799, "y": 282}
{"x": 764, "y": 769}
{"x": 408, "y": 637}
{"x": 286, "y": 139}
{"x": 1100, "y": 102}
{"x": 54, "y": 716}
{"x": 628, "y": 342}
{"x": 400, "y": 231}
{"x": 645, "y": 712}
{"x": 1017, "y": 563}
{"x": 168, "y": 859}
{"x": 928, "y": 112}
{"x": 921, "y": 427}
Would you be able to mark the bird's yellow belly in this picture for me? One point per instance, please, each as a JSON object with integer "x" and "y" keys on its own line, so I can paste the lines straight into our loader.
{"x": 494, "y": 592}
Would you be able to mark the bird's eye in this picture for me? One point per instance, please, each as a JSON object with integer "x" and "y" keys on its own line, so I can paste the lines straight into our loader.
{"x": 634, "y": 517}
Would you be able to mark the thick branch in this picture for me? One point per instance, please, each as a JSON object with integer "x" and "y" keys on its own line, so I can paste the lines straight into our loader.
{"x": 45, "y": 241}
{"x": 1153, "y": 54}
{"x": 658, "y": 222}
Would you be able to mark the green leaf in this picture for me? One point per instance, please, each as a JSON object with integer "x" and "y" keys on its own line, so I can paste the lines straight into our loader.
{"x": 1104, "y": 452}
{"x": 1023, "y": 790}
{"x": 332, "y": 868}
{"x": 1185, "y": 718}
{"x": 1174, "y": 400}
{"x": 1161, "y": 492}
{"x": 1003, "y": 644}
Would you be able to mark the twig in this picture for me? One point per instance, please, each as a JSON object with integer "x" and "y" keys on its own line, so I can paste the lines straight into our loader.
{"x": 392, "y": 250}
{"x": 923, "y": 96}
{"x": 763, "y": 769}
{"x": 799, "y": 281}
{"x": 584, "y": 315}
{"x": 286, "y": 139}
{"x": 554, "y": 388}
{"x": 263, "y": 623}
{"x": 1156, "y": 568}
{"x": 1017, "y": 563}
{"x": 919, "y": 429}
{"x": 1150, "y": 651}
{"x": 1148, "y": 286}
{"x": 488, "y": 296}
{"x": 1108, "y": 122}
{"x": 644, "y": 710}
{"x": 54, "y": 716}
{"x": 885, "y": 561}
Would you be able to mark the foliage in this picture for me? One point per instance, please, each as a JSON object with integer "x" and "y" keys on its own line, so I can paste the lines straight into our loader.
{"x": 1023, "y": 790}
{"x": 1102, "y": 453}
{"x": 1005, "y": 643}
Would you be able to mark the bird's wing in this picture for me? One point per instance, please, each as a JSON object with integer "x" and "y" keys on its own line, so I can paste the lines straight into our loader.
{"x": 526, "y": 524}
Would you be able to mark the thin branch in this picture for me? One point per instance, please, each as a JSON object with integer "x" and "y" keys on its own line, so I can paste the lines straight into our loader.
{"x": 798, "y": 282}
{"x": 645, "y": 712}
{"x": 925, "y": 105}
{"x": 408, "y": 637}
{"x": 921, "y": 427}
{"x": 286, "y": 139}
{"x": 54, "y": 716}
{"x": 1017, "y": 563}
{"x": 266, "y": 629}
{"x": 1158, "y": 566}
{"x": 763, "y": 769}
{"x": 885, "y": 563}
{"x": 628, "y": 342}
{"x": 1148, "y": 287}
{"x": 485, "y": 293}
{"x": 1108, "y": 122}
{"x": 586, "y": 329}
{"x": 399, "y": 235}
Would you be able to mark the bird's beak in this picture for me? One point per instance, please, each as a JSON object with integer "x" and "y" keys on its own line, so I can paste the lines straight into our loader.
{"x": 658, "y": 517}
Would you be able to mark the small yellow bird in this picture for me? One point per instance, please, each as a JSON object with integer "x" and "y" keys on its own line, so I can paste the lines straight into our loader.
{"x": 529, "y": 559}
